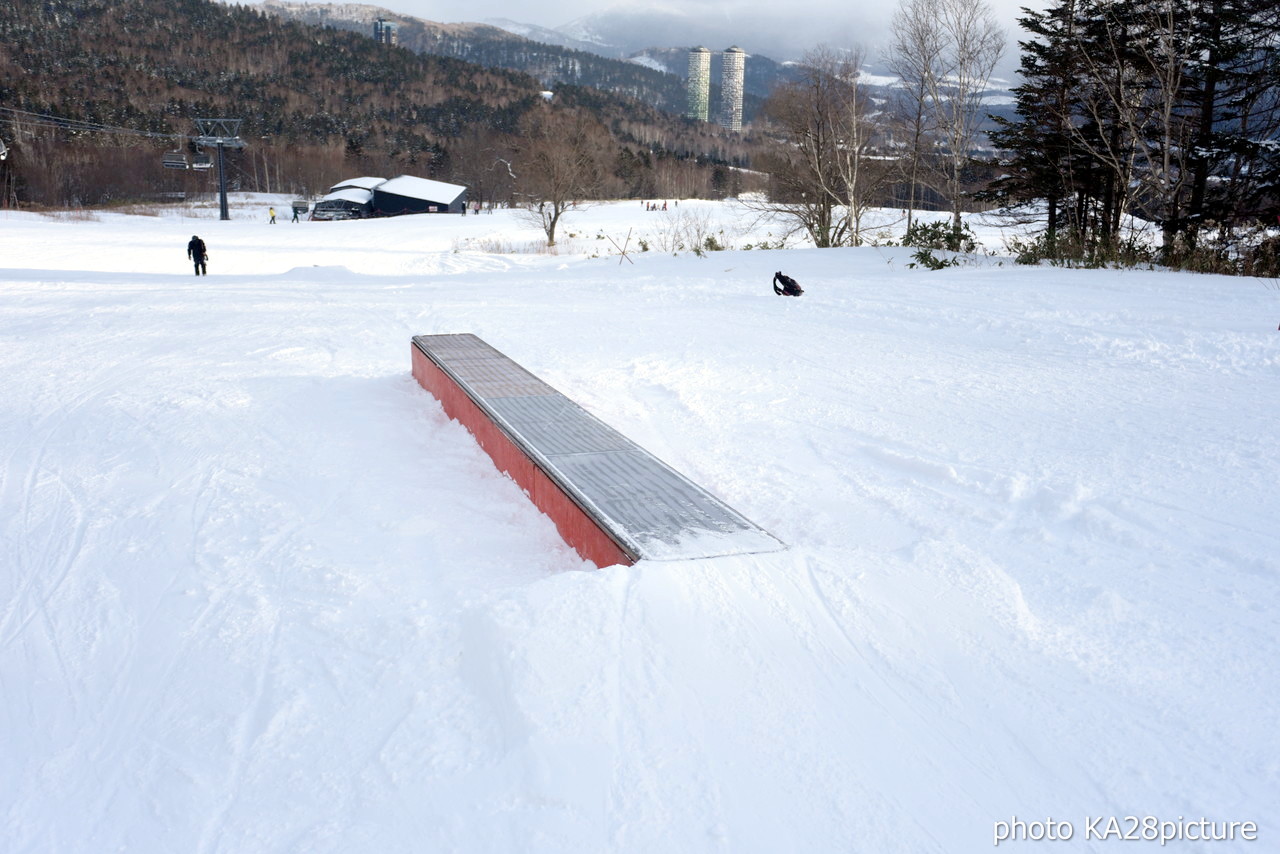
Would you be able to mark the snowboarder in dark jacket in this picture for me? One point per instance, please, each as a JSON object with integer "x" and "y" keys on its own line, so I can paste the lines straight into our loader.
{"x": 789, "y": 286}
{"x": 197, "y": 253}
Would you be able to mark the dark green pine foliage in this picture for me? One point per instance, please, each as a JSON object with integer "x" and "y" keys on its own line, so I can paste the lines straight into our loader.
{"x": 1166, "y": 109}
{"x": 1040, "y": 160}
{"x": 1232, "y": 96}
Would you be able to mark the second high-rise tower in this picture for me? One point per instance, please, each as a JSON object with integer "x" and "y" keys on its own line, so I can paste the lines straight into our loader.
{"x": 733, "y": 66}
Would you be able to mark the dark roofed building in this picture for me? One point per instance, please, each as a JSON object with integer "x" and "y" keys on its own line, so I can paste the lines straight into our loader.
{"x": 345, "y": 203}
{"x": 407, "y": 194}
{"x": 357, "y": 198}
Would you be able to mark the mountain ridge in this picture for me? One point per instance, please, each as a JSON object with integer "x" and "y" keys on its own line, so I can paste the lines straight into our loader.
{"x": 90, "y": 85}
{"x": 497, "y": 43}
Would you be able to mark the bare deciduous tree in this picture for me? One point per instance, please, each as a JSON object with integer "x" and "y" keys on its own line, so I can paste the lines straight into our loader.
{"x": 914, "y": 55}
{"x": 946, "y": 51}
{"x": 1133, "y": 88}
{"x": 824, "y": 173}
{"x": 481, "y": 161}
{"x": 560, "y": 165}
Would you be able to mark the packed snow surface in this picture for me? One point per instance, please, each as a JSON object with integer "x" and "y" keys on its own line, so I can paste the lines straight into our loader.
{"x": 258, "y": 594}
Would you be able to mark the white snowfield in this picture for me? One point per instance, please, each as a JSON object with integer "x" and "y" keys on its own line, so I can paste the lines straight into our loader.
{"x": 257, "y": 593}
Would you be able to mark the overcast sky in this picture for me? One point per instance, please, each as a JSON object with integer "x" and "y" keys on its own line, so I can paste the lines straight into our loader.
{"x": 838, "y": 23}
{"x": 553, "y": 13}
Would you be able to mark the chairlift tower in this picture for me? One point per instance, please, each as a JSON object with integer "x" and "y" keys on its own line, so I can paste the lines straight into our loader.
{"x": 223, "y": 133}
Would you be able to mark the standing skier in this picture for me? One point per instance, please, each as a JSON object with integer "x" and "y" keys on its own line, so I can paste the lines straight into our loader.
{"x": 197, "y": 253}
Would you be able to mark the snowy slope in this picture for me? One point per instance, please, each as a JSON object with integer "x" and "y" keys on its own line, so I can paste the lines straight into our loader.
{"x": 650, "y": 62}
{"x": 258, "y": 594}
{"x": 546, "y": 35}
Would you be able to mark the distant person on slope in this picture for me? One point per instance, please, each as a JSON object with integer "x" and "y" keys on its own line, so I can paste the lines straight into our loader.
{"x": 271, "y": 212}
{"x": 197, "y": 253}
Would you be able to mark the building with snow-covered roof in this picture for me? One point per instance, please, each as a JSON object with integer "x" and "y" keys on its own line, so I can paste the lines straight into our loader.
{"x": 407, "y": 194}
{"x": 356, "y": 198}
{"x": 366, "y": 183}
{"x": 345, "y": 203}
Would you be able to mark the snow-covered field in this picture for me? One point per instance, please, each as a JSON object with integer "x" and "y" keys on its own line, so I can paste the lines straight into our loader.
{"x": 257, "y": 594}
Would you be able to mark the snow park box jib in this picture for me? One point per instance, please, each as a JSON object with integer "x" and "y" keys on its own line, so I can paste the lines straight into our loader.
{"x": 611, "y": 500}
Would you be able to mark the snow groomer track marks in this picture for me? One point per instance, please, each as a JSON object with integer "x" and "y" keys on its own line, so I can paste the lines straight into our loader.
{"x": 610, "y": 499}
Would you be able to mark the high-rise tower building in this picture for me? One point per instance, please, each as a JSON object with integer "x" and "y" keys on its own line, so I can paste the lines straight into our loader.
{"x": 699, "y": 83}
{"x": 732, "y": 65}
{"x": 385, "y": 32}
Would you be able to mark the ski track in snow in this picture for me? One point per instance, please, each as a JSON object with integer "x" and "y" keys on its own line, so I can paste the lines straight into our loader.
{"x": 257, "y": 593}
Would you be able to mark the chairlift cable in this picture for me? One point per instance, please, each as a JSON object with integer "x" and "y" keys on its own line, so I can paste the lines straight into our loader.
{"x": 81, "y": 126}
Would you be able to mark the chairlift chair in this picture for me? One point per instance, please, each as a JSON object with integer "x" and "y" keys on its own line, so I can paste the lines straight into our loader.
{"x": 4, "y": 150}
{"x": 202, "y": 161}
{"x": 175, "y": 160}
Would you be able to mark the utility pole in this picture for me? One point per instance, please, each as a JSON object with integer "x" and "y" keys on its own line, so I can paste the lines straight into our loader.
{"x": 222, "y": 133}
{"x": 6, "y": 181}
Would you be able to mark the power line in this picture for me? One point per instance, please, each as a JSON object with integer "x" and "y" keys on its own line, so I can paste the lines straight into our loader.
{"x": 80, "y": 126}
{"x": 219, "y": 133}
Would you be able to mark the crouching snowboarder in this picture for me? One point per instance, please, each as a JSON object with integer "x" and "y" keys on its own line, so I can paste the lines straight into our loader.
{"x": 789, "y": 287}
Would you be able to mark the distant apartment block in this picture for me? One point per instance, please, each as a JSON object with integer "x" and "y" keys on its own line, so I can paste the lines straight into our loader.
{"x": 385, "y": 32}
{"x": 733, "y": 64}
{"x": 699, "y": 83}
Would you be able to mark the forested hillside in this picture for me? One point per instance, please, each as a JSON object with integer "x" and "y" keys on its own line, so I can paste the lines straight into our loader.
{"x": 551, "y": 64}
{"x": 317, "y": 103}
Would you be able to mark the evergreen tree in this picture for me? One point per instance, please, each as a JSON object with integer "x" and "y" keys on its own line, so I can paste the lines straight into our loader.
{"x": 1040, "y": 160}
{"x": 1163, "y": 109}
{"x": 1233, "y": 91}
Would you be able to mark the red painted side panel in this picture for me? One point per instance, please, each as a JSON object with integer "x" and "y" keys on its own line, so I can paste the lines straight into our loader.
{"x": 577, "y": 528}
